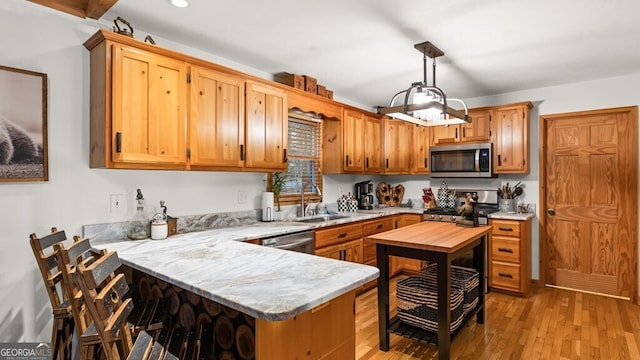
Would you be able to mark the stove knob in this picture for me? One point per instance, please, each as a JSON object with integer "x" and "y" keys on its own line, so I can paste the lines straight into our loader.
{"x": 433, "y": 217}
{"x": 440, "y": 217}
{"x": 453, "y": 218}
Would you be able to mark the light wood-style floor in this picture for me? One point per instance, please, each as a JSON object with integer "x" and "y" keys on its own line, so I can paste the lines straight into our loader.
{"x": 549, "y": 324}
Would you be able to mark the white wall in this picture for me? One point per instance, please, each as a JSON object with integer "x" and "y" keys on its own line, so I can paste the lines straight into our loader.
{"x": 39, "y": 39}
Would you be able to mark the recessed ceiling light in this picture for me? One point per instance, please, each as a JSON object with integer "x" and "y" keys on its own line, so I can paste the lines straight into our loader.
{"x": 180, "y": 3}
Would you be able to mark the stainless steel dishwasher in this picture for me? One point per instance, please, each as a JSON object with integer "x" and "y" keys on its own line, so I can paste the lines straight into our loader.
{"x": 301, "y": 242}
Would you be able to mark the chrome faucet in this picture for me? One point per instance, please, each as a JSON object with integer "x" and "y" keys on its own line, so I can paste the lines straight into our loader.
{"x": 301, "y": 213}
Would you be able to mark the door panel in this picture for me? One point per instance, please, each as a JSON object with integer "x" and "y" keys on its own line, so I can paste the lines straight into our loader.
{"x": 591, "y": 191}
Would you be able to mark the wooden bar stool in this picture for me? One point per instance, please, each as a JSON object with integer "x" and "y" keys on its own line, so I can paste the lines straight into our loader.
{"x": 104, "y": 297}
{"x": 63, "y": 324}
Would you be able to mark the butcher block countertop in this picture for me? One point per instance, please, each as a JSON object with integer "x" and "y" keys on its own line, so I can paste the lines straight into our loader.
{"x": 443, "y": 237}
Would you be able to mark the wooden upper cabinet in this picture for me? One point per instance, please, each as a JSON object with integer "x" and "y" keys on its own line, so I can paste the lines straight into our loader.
{"x": 216, "y": 121}
{"x": 149, "y": 110}
{"x": 397, "y": 146}
{"x": 447, "y": 134}
{"x": 353, "y": 141}
{"x": 421, "y": 142}
{"x": 479, "y": 129}
{"x": 372, "y": 145}
{"x": 266, "y": 127}
{"x": 312, "y": 103}
{"x": 511, "y": 139}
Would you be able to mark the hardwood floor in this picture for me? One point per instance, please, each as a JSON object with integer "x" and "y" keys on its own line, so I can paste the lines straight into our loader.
{"x": 549, "y": 324}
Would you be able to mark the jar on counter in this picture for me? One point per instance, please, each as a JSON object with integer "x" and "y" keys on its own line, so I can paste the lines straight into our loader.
{"x": 139, "y": 226}
{"x": 159, "y": 228}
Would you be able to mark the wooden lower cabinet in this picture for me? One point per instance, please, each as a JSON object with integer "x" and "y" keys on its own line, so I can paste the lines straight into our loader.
{"x": 325, "y": 332}
{"x": 371, "y": 227}
{"x": 347, "y": 251}
{"x": 404, "y": 265}
{"x": 510, "y": 256}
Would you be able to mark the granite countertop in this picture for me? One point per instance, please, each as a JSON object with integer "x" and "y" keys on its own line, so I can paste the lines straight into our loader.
{"x": 510, "y": 216}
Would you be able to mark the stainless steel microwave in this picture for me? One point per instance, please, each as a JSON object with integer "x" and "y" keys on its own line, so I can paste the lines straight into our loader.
{"x": 464, "y": 160}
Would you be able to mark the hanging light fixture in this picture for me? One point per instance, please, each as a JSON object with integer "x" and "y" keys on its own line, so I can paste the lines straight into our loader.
{"x": 424, "y": 104}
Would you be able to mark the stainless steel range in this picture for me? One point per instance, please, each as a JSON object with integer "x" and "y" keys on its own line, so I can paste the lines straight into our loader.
{"x": 487, "y": 204}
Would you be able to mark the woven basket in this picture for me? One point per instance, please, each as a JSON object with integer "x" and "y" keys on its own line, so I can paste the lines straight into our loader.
{"x": 461, "y": 277}
{"x": 418, "y": 303}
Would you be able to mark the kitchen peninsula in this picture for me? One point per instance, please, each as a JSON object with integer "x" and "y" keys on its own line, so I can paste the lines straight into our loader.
{"x": 296, "y": 305}
{"x": 439, "y": 242}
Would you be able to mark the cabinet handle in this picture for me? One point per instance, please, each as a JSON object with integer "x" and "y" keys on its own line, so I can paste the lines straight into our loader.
{"x": 284, "y": 157}
{"x": 425, "y": 163}
{"x": 379, "y": 227}
{"x": 505, "y": 275}
{"x": 341, "y": 235}
{"x": 367, "y": 162}
{"x": 499, "y": 160}
{"x": 118, "y": 141}
{"x": 507, "y": 250}
{"x": 387, "y": 163}
{"x": 347, "y": 160}
{"x": 241, "y": 151}
{"x": 464, "y": 132}
{"x": 505, "y": 228}
{"x": 456, "y": 133}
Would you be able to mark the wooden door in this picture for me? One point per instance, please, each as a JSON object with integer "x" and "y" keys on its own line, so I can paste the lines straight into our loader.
{"x": 590, "y": 165}
{"x": 266, "y": 127}
{"x": 331, "y": 252}
{"x": 372, "y": 145}
{"x": 353, "y": 251}
{"x": 216, "y": 122}
{"x": 511, "y": 141}
{"x": 397, "y": 146}
{"x": 445, "y": 134}
{"x": 353, "y": 141}
{"x": 421, "y": 141}
{"x": 149, "y": 108}
{"x": 479, "y": 129}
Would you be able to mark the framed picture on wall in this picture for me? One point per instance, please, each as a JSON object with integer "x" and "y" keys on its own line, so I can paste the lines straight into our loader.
{"x": 23, "y": 125}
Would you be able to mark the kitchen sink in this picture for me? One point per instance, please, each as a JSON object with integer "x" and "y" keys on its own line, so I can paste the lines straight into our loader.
{"x": 322, "y": 218}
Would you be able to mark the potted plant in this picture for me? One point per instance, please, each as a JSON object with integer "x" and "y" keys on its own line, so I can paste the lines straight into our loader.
{"x": 277, "y": 183}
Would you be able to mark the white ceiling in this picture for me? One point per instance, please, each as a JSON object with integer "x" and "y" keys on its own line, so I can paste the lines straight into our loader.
{"x": 363, "y": 49}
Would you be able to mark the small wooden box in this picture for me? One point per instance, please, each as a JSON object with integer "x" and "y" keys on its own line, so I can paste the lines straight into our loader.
{"x": 310, "y": 84}
{"x": 329, "y": 94}
{"x": 321, "y": 90}
{"x": 172, "y": 226}
{"x": 293, "y": 80}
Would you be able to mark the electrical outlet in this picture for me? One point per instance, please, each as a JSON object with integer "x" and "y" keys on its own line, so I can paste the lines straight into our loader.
{"x": 117, "y": 203}
{"x": 242, "y": 197}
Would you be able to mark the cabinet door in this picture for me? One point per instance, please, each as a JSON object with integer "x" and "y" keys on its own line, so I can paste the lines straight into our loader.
{"x": 446, "y": 134}
{"x": 331, "y": 252}
{"x": 149, "y": 108}
{"x": 352, "y": 251}
{"x": 266, "y": 127}
{"x": 479, "y": 129}
{"x": 216, "y": 122}
{"x": 408, "y": 219}
{"x": 397, "y": 146}
{"x": 372, "y": 145}
{"x": 511, "y": 147}
{"x": 353, "y": 137}
{"x": 421, "y": 142}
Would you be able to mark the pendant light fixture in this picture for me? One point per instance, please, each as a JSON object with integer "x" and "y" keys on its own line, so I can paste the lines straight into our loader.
{"x": 426, "y": 105}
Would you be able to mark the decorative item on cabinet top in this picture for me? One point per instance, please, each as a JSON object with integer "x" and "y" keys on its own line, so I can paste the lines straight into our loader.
{"x": 304, "y": 83}
{"x": 127, "y": 32}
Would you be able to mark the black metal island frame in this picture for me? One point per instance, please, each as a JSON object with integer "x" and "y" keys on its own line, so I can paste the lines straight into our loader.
{"x": 438, "y": 242}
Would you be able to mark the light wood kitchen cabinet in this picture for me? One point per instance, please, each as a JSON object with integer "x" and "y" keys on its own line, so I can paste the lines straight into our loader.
{"x": 266, "y": 127}
{"x": 479, "y": 129}
{"x": 397, "y": 146}
{"x": 341, "y": 242}
{"x": 400, "y": 264}
{"x": 138, "y": 108}
{"x": 511, "y": 139}
{"x": 421, "y": 143}
{"x": 372, "y": 145}
{"x": 216, "y": 121}
{"x": 510, "y": 256}
{"x": 353, "y": 141}
{"x": 446, "y": 134}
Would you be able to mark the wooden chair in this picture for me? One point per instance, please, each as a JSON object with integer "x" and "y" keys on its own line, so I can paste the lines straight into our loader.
{"x": 104, "y": 297}
{"x": 63, "y": 324}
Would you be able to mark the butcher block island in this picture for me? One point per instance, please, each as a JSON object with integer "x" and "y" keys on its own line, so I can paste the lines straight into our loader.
{"x": 439, "y": 242}
{"x": 261, "y": 302}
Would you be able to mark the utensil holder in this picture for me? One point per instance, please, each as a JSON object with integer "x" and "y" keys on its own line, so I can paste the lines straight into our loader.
{"x": 507, "y": 206}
